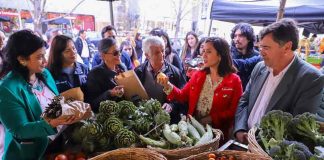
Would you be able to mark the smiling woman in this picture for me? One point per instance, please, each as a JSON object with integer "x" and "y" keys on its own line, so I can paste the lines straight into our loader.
{"x": 25, "y": 92}
{"x": 66, "y": 71}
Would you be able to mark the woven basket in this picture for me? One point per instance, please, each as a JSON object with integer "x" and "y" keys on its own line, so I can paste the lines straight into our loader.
{"x": 179, "y": 153}
{"x": 239, "y": 155}
{"x": 130, "y": 154}
{"x": 253, "y": 146}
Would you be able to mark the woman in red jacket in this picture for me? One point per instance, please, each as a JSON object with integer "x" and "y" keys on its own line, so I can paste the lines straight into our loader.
{"x": 213, "y": 92}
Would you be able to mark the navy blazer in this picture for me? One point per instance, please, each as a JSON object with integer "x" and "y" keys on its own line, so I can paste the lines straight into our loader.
{"x": 299, "y": 91}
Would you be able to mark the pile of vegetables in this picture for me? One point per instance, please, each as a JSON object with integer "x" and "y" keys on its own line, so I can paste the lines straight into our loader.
{"x": 286, "y": 137}
{"x": 118, "y": 125}
{"x": 184, "y": 134}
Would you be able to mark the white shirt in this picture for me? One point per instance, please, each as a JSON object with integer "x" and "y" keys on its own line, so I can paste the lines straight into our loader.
{"x": 262, "y": 102}
{"x": 85, "y": 50}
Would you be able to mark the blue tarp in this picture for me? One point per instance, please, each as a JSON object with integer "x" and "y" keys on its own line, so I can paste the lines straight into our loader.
{"x": 60, "y": 21}
{"x": 308, "y": 13}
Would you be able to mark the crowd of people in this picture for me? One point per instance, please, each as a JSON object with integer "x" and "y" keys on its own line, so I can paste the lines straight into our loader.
{"x": 231, "y": 88}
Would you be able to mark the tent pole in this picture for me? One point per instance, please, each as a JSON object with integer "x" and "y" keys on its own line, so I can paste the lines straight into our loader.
{"x": 281, "y": 9}
{"x": 210, "y": 25}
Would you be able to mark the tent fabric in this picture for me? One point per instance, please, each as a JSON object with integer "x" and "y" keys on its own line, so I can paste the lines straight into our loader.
{"x": 4, "y": 18}
{"x": 60, "y": 21}
{"x": 308, "y": 15}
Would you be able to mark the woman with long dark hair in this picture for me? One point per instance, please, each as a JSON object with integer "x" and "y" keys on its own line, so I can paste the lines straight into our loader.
{"x": 66, "y": 71}
{"x": 212, "y": 93}
{"x": 25, "y": 92}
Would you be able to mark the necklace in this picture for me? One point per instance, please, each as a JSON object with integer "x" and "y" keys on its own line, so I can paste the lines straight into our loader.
{"x": 36, "y": 85}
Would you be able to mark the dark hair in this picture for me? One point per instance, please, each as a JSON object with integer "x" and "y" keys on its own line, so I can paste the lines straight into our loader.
{"x": 161, "y": 33}
{"x": 106, "y": 29}
{"x": 197, "y": 50}
{"x": 128, "y": 43}
{"x": 137, "y": 35}
{"x": 55, "y": 60}
{"x": 247, "y": 31}
{"x": 223, "y": 50}
{"x": 105, "y": 44}
{"x": 81, "y": 32}
{"x": 283, "y": 31}
{"x": 186, "y": 46}
{"x": 22, "y": 43}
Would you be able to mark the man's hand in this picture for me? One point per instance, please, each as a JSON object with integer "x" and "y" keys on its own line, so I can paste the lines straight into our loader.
{"x": 162, "y": 79}
{"x": 242, "y": 137}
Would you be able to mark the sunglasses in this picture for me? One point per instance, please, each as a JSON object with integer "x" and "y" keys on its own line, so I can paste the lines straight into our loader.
{"x": 115, "y": 53}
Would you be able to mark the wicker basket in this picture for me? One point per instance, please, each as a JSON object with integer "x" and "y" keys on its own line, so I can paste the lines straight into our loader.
{"x": 239, "y": 155}
{"x": 130, "y": 154}
{"x": 179, "y": 153}
{"x": 253, "y": 146}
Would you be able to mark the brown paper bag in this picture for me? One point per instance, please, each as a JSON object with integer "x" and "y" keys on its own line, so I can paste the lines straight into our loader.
{"x": 132, "y": 85}
{"x": 74, "y": 93}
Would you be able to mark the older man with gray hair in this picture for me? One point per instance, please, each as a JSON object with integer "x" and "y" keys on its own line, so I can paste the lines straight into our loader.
{"x": 147, "y": 72}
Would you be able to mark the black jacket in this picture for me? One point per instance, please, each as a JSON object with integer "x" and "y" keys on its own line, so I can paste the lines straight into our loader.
{"x": 100, "y": 82}
{"x": 176, "y": 78}
{"x": 245, "y": 69}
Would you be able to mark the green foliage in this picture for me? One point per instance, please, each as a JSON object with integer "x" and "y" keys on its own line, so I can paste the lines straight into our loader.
{"x": 274, "y": 125}
{"x": 162, "y": 117}
{"x": 112, "y": 126}
{"x": 124, "y": 138}
{"x": 109, "y": 107}
{"x": 127, "y": 108}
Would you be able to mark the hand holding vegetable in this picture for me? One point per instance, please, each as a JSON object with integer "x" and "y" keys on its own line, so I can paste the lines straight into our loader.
{"x": 118, "y": 91}
{"x": 163, "y": 80}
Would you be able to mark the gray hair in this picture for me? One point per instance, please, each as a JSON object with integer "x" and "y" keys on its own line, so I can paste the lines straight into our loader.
{"x": 152, "y": 41}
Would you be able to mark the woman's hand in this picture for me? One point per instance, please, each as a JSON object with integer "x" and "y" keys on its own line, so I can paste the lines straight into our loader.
{"x": 118, "y": 91}
{"x": 63, "y": 120}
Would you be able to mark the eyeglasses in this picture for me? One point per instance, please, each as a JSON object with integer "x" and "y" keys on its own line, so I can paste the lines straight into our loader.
{"x": 115, "y": 53}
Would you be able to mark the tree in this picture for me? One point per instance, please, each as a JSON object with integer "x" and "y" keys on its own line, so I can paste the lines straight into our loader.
{"x": 183, "y": 8}
{"x": 38, "y": 13}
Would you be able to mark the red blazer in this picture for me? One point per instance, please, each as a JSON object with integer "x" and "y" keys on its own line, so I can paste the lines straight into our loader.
{"x": 225, "y": 101}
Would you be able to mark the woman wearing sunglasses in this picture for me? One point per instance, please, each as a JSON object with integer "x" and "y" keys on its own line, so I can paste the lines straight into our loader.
{"x": 101, "y": 84}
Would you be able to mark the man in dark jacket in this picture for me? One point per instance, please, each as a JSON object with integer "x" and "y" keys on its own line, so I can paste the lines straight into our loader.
{"x": 110, "y": 32}
{"x": 82, "y": 46}
{"x": 243, "y": 40}
{"x": 147, "y": 72}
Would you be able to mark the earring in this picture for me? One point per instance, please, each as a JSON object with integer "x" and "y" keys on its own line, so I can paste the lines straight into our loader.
{"x": 23, "y": 63}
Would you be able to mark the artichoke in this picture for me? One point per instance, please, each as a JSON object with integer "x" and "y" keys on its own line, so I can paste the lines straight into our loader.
{"x": 124, "y": 138}
{"x": 54, "y": 109}
{"x": 77, "y": 135}
{"x": 104, "y": 143}
{"x": 162, "y": 117}
{"x": 143, "y": 125}
{"x": 152, "y": 106}
{"x": 126, "y": 108}
{"x": 109, "y": 107}
{"x": 102, "y": 117}
{"x": 112, "y": 126}
{"x": 91, "y": 130}
{"x": 88, "y": 145}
